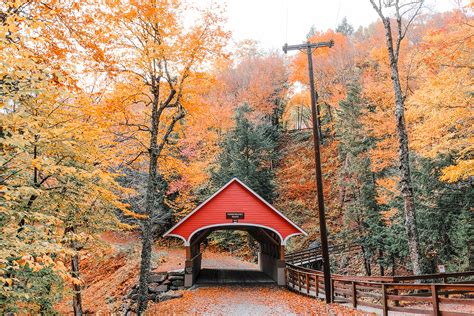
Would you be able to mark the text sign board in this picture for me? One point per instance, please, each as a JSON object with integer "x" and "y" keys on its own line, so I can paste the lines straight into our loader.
{"x": 234, "y": 216}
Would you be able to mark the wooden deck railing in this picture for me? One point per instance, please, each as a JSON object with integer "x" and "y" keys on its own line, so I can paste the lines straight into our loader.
{"x": 449, "y": 294}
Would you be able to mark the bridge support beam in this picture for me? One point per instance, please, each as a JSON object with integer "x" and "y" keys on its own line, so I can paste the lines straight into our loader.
{"x": 192, "y": 265}
{"x": 273, "y": 265}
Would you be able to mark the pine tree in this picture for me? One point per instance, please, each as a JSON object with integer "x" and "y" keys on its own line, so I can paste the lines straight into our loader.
{"x": 345, "y": 28}
{"x": 445, "y": 216}
{"x": 248, "y": 153}
{"x": 357, "y": 181}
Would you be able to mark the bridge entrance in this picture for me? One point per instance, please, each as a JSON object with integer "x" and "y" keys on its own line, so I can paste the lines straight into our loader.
{"x": 236, "y": 207}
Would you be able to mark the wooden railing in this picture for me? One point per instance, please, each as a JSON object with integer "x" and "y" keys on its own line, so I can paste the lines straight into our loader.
{"x": 314, "y": 254}
{"x": 437, "y": 299}
{"x": 304, "y": 257}
{"x": 449, "y": 294}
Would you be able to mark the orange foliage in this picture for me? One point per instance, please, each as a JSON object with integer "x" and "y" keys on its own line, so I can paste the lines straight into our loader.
{"x": 440, "y": 111}
{"x": 297, "y": 182}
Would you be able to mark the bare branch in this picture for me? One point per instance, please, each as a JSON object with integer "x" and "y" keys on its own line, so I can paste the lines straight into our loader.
{"x": 378, "y": 8}
{"x": 173, "y": 122}
{"x": 134, "y": 159}
{"x": 412, "y": 18}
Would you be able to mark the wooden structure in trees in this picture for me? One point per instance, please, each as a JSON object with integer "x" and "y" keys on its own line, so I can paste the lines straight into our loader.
{"x": 237, "y": 207}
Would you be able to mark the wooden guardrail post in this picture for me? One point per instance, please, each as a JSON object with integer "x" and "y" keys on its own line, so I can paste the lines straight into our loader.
{"x": 445, "y": 281}
{"x": 316, "y": 281}
{"x": 397, "y": 302}
{"x": 435, "y": 301}
{"x": 354, "y": 295}
{"x": 333, "y": 295}
{"x": 299, "y": 281}
{"x": 384, "y": 300}
{"x": 307, "y": 283}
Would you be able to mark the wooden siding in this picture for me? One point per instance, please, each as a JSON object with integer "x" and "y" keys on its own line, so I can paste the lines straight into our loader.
{"x": 234, "y": 198}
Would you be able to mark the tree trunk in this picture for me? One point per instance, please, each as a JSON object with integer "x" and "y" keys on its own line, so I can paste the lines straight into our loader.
{"x": 367, "y": 266}
{"x": 393, "y": 265}
{"x": 405, "y": 176}
{"x": 342, "y": 187}
{"x": 145, "y": 264}
{"x": 147, "y": 233}
{"x": 77, "y": 296}
{"x": 382, "y": 270}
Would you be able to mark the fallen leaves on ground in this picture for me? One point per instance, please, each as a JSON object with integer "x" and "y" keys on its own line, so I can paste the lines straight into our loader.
{"x": 246, "y": 300}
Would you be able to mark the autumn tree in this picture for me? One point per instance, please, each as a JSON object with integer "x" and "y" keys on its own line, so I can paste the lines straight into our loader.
{"x": 258, "y": 79}
{"x": 155, "y": 61}
{"x": 443, "y": 101}
{"x": 405, "y": 13}
{"x": 56, "y": 183}
{"x": 439, "y": 116}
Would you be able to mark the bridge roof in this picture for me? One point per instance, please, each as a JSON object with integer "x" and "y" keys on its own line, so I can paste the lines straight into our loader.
{"x": 238, "y": 200}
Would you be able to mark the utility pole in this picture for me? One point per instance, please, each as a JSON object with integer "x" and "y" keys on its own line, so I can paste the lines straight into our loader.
{"x": 308, "y": 46}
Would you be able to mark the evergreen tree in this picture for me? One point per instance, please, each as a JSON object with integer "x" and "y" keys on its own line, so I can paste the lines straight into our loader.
{"x": 444, "y": 216}
{"x": 312, "y": 31}
{"x": 357, "y": 181}
{"x": 248, "y": 153}
{"x": 345, "y": 28}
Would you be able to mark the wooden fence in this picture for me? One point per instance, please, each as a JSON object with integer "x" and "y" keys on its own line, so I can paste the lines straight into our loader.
{"x": 449, "y": 294}
{"x": 310, "y": 255}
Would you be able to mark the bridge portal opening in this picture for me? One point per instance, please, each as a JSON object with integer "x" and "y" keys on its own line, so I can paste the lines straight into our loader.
{"x": 236, "y": 207}
{"x": 269, "y": 266}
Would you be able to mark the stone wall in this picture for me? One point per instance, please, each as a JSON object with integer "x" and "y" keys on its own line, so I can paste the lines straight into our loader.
{"x": 161, "y": 287}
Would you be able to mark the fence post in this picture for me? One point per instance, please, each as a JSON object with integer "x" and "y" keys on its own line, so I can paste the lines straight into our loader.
{"x": 299, "y": 281}
{"x": 333, "y": 295}
{"x": 317, "y": 286}
{"x": 445, "y": 280}
{"x": 307, "y": 283}
{"x": 435, "y": 302}
{"x": 396, "y": 302}
{"x": 354, "y": 295}
{"x": 384, "y": 301}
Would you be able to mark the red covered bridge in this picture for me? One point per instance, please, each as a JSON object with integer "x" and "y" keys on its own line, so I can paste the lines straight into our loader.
{"x": 237, "y": 207}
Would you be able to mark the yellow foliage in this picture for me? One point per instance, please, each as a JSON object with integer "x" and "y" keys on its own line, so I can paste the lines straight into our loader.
{"x": 461, "y": 171}
{"x": 440, "y": 112}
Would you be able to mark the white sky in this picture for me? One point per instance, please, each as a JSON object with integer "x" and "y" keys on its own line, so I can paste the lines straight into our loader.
{"x": 272, "y": 24}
